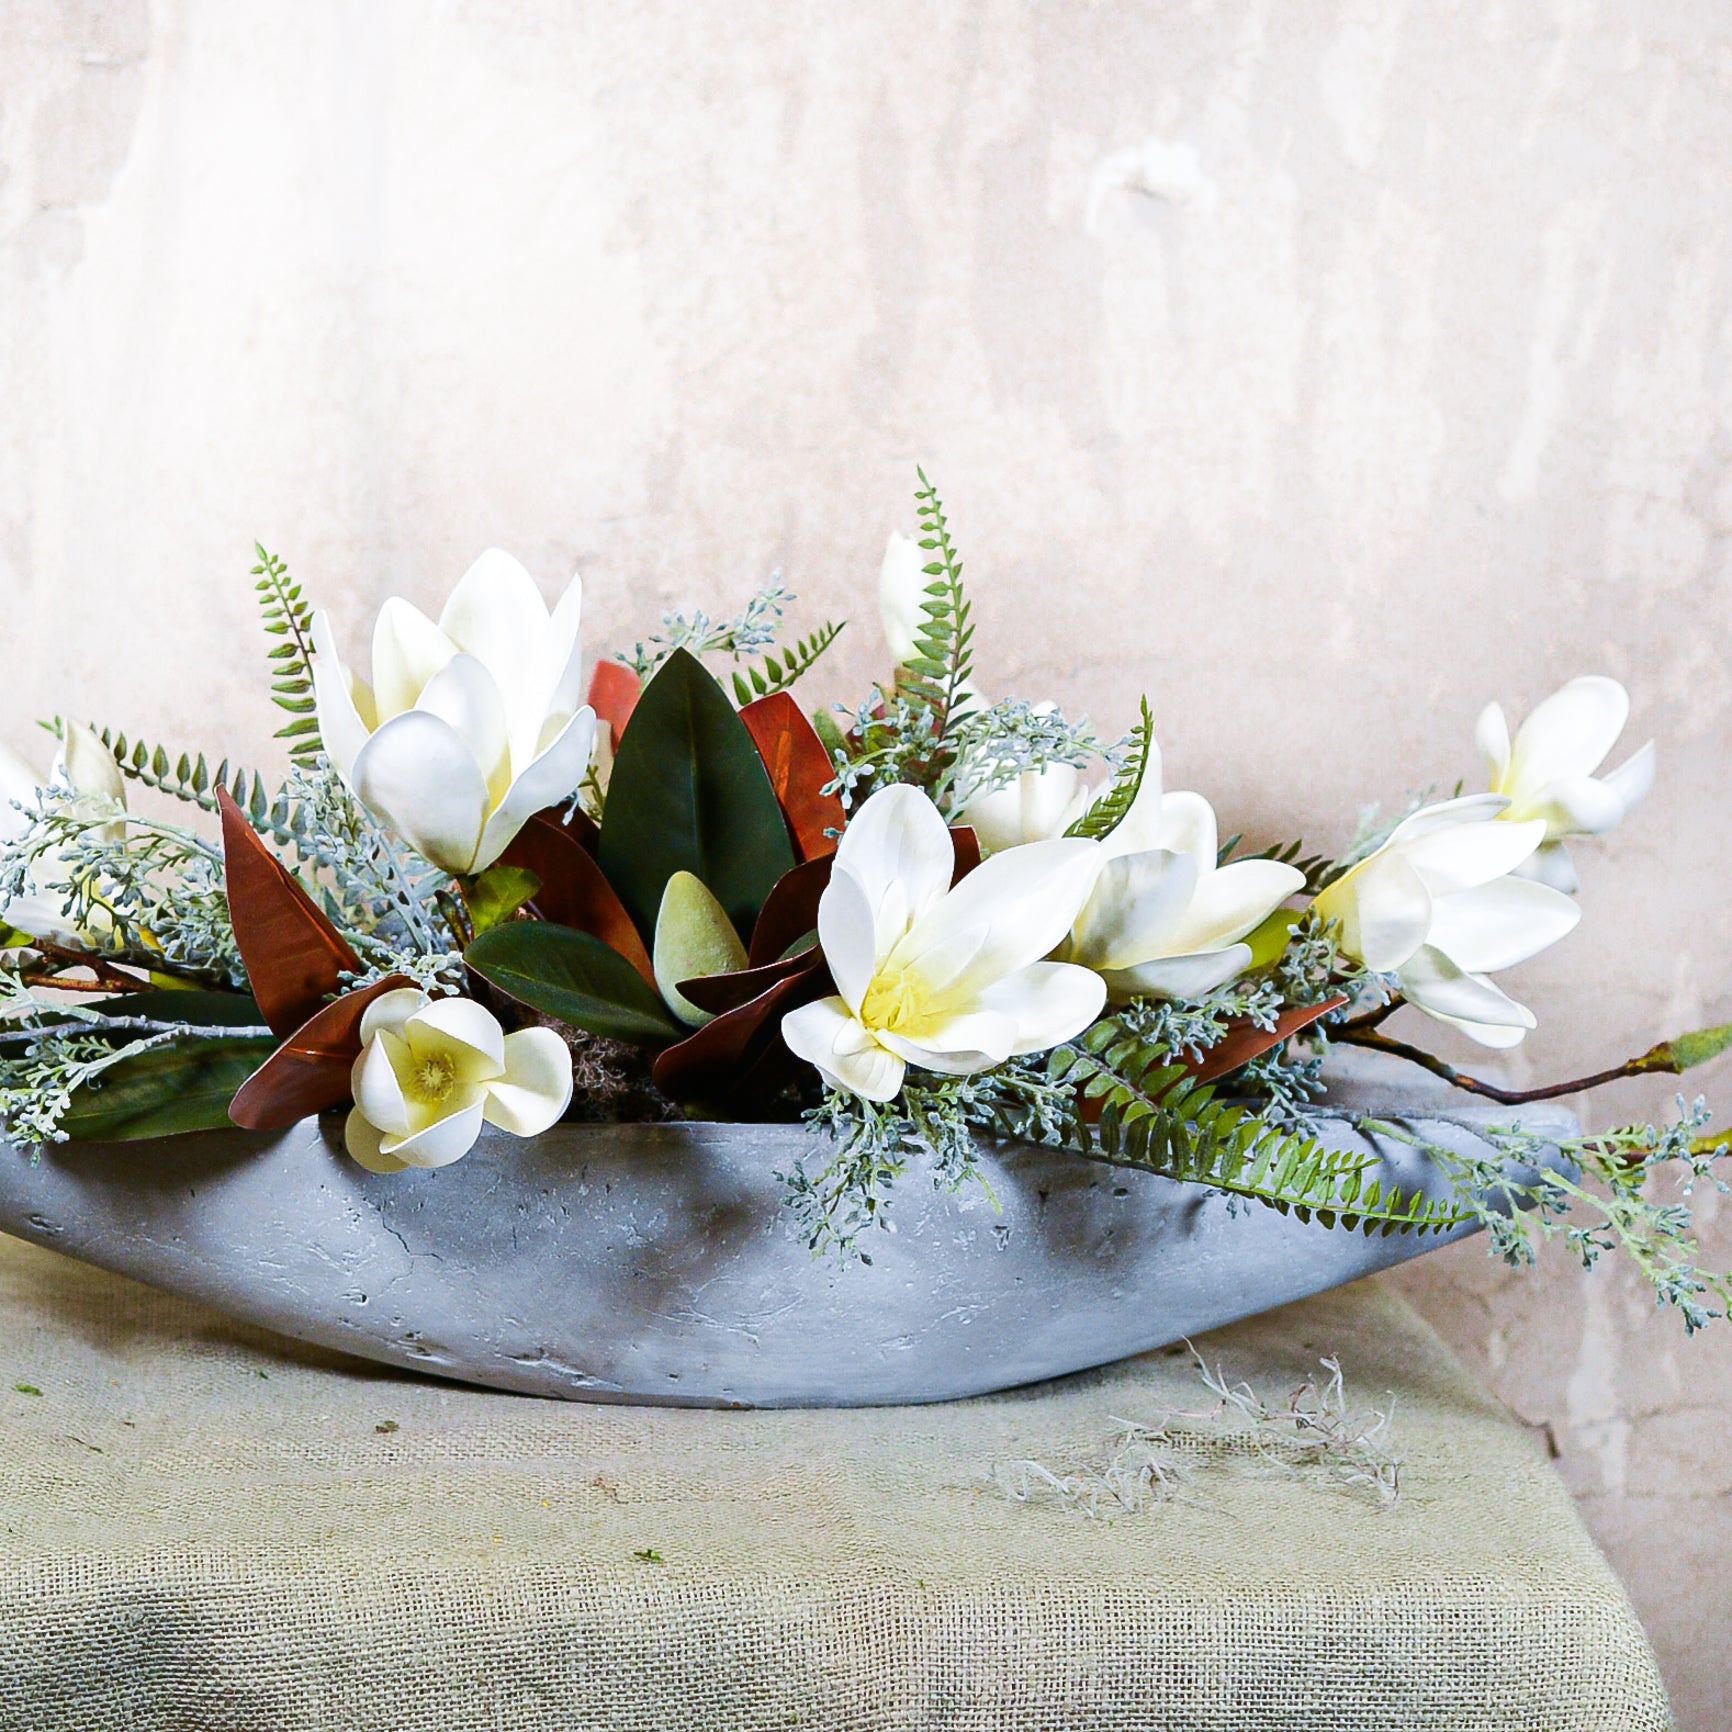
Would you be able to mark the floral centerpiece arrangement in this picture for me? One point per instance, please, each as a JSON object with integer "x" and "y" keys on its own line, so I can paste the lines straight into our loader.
{"x": 492, "y": 892}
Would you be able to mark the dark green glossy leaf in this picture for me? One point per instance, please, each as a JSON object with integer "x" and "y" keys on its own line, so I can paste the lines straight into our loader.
{"x": 166, "y": 1091}
{"x": 689, "y": 793}
{"x": 571, "y": 975}
{"x": 203, "y": 1009}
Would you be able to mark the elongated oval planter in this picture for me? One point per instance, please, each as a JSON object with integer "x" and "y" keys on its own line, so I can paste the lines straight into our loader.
{"x": 656, "y": 1263}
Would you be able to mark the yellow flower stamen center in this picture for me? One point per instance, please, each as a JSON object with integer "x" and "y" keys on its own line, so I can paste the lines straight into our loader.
{"x": 897, "y": 1002}
{"x": 434, "y": 1077}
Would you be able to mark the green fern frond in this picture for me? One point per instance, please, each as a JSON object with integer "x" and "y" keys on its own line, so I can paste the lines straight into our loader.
{"x": 781, "y": 668}
{"x": 1106, "y": 814}
{"x": 1154, "y": 1116}
{"x": 191, "y": 780}
{"x": 943, "y": 654}
{"x": 286, "y": 615}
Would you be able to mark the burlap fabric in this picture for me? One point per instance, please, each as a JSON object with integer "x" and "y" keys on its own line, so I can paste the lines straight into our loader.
{"x": 206, "y": 1527}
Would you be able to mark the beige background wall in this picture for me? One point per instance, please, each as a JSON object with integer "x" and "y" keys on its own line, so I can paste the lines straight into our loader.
{"x": 1321, "y": 369}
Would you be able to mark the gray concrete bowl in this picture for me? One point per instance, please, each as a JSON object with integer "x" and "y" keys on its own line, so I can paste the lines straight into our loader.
{"x": 655, "y": 1263}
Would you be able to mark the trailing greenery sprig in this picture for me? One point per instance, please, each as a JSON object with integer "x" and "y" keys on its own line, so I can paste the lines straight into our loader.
{"x": 1603, "y": 1176}
{"x": 779, "y": 671}
{"x": 286, "y": 615}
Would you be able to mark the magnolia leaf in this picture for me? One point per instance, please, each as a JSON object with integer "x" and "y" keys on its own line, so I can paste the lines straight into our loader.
{"x": 573, "y": 891}
{"x": 790, "y": 911}
{"x": 800, "y": 770}
{"x": 738, "y": 1060}
{"x": 689, "y": 793}
{"x": 295, "y": 958}
{"x": 311, "y": 1070}
{"x": 1686, "y": 1051}
{"x": 498, "y": 894}
{"x": 575, "y": 977}
{"x": 693, "y": 937}
{"x": 164, "y": 1091}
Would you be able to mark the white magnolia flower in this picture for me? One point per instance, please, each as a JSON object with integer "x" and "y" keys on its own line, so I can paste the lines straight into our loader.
{"x": 1437, "y": 906}
{"x": 902, "y": 582}
{"x": 470, "y": 726}
{"x": 951, "y": 979}
{"x": 98, "y": 791}
{"x": 1548, "y": 771}
{"x": 432, "y": 1070}
{"x": 1163, "y": 920}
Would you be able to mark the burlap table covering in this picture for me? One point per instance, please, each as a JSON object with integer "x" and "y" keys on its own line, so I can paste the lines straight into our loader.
{"x": 207, "y": 1527}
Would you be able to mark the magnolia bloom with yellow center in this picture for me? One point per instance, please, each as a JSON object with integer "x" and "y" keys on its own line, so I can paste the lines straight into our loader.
{"x": 432, "y": 1071}
{"x": 1437, "y": 906}
{"x": 87, "y": 766}
{"x": 1163, "y": 920}
{"x": 470, "y": 726}
{"x": 954, "y": 980}
{"x": 1547, "y": 771}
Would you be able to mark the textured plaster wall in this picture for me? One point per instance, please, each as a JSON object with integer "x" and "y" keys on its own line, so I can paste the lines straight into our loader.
{"x": 1320, "y": 369}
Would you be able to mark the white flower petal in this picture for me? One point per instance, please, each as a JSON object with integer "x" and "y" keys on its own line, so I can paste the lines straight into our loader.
{"x": 464, "y": 694}
{"x": 1633, "y": 778}
{"x": 898, "y": 849}
{"x": 1178, "y": 976}
{"x": 1569, "y": 733}
{"x": 376, "y": 1086}
{"x": 1381, "y": 908}
{"x": 1447, "y": 815}
{"x": 536, "y": 1087}
{"x": 1047, "y": 1002}
{"x": 1137, "y": 902}
{"x": 90, "y": 765}
{"x": 418, "y": 773}
{"x": 846, "y": 934}
{"x": 565, "y": 695}
{"x": 362, "y": 1141}
{"x": 497, "y": 615}
{"x": 408, "y": 650}
{"x": 1188, "y": 827}
{"x": 462, "y": 1022}
{"x": 1550, "y": 864}
{"x": 974, "y": 1040}
{"x": 844, "y": 1053}
{"x": 1460, "y": 856}
{"x": 1500, "y": 924}
{"x": 1009, "y": 911}
{"x": 550, "y": 780}
{"x": 343, "y": 728}
{"x": 1491, "y": 735}
{"x": 1574, "y": 806}
{"x": 902, "y": 581}
{"x": 1037, "y": 806}
{"x": 391, "y": 1010}
{"x": 1434, "y": 984}
{"x": 1233, "y": 901}
{"x": 440, "y": 1143}
{"x": 1139, "y": 830}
